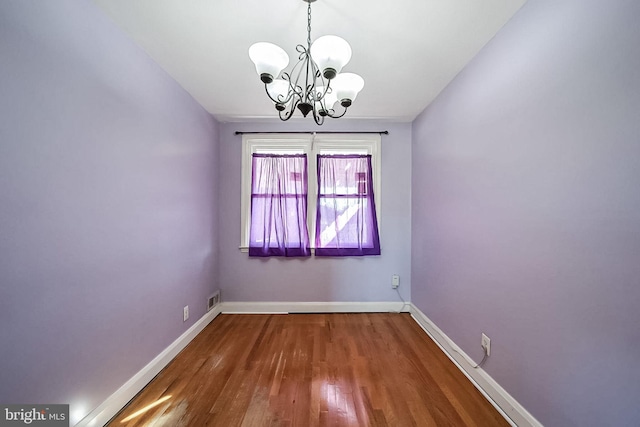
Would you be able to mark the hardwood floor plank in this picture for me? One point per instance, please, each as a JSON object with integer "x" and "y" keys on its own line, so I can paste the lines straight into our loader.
{"x": 315, "y": 370}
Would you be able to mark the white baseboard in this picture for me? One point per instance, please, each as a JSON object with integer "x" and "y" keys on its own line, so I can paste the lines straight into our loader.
{"x": 313, "y": 307}
{"x": 114, "y": 403}
{"x": 513, "y": 412}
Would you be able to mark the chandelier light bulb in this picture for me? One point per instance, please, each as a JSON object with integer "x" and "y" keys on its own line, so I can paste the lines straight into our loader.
{"x": 269, "y": 60}
{"x": 347, "y": 86}
{"x": 331, "y": 53}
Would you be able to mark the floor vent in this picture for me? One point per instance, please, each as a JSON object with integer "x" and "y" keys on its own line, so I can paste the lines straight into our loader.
{"x": 213, "y": 300}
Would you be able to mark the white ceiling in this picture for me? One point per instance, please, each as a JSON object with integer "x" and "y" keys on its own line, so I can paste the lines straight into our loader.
{"x": 407, "y": 51}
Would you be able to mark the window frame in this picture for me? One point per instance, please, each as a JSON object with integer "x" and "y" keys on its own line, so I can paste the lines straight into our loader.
{"x": 312, "y": 145}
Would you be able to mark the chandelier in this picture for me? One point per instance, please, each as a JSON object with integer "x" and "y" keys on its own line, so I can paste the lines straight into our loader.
{"x": 315, "y": 84}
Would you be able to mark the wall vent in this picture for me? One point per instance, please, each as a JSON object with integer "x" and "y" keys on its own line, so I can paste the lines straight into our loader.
{"x": 213, "y": 300}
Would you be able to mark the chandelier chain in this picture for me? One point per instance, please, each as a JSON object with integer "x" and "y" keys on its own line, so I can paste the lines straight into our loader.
{"x": 309, "y": 26}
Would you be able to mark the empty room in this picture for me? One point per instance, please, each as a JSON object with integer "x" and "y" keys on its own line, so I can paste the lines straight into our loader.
{"x": 320, "y": 213}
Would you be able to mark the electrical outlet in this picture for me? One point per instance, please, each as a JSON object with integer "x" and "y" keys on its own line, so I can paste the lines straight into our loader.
{"x": 486, "y": 344}
{"x": 395, "y": 281}
{"x": 185, "y": 313}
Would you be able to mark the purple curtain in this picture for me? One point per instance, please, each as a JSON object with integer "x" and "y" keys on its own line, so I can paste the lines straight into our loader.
{"x": 346, "y": 223}
{"x": 279, "y": 206}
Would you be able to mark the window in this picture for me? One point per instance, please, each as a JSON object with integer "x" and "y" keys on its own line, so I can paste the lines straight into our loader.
{"x": 342, "y": 173}
{"x": 346, "y": 221}
{"x": 278, "y": 225}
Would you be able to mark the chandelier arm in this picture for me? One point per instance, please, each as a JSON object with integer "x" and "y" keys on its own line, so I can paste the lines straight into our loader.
{"x": 317, "y": 118}
{"x": 294, "y": 88}
{"x": 318, "y": 105}
{"x": 332, "y": 113}
{"x": 316, "y": 97}
{"x": 315, "y": 72}
{"x": 326, "y": 86}
{"x": 286, "y": 116}
{"x": 292, "y": 109}
{"x": 292, "y": 91}
{"x": 298, "y": 68}
{"x": 320, "y": 95}
{"x": 308, "y": 87}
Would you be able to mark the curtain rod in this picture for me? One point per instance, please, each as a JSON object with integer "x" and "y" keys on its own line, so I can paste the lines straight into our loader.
{"x": 382, "y": 132}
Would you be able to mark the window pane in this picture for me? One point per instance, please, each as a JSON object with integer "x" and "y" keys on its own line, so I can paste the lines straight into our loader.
{"x": 277, "y": 217}
{"x": 343, "y": 176}
{"x": 343, "y": 223}
{"x": 279, "y": 206}
{"x": 346, "y": 221}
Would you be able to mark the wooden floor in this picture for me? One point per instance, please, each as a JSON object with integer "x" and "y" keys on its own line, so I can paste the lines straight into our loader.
{"x": 302, "y": 370}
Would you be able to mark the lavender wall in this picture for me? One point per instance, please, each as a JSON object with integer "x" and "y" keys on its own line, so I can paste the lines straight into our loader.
{"x": 526, "y": 210}
{"x": 107, "y": 191}
{"x": 330, "y": 279}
